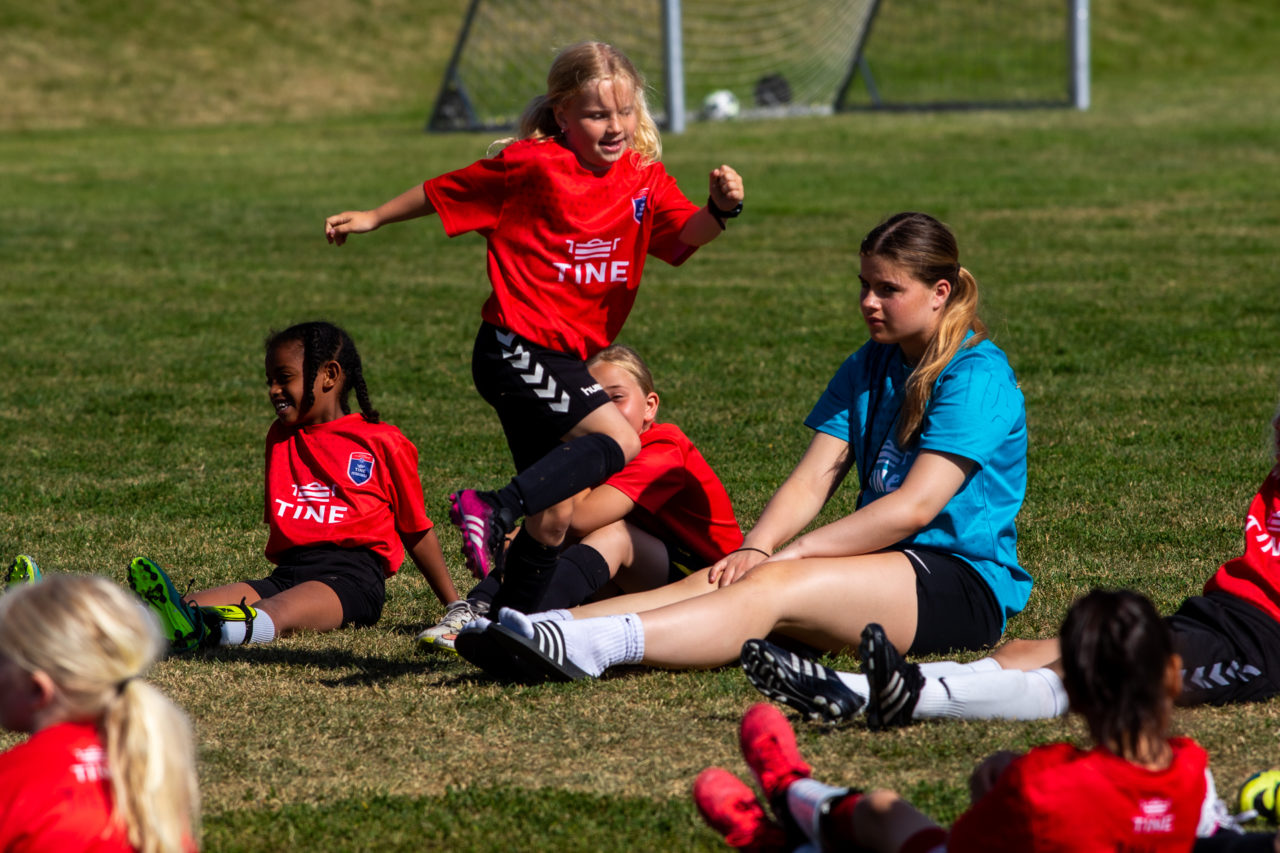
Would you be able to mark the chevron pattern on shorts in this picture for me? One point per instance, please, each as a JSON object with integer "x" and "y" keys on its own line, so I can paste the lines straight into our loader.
{"x": 532, "y": 374}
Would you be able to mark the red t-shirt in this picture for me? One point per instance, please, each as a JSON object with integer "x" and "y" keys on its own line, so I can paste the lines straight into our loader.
{"x": 348, "y": 483}
{"x": 1062, "y": 799}
{"x": 566, "y": 246}
{"x": 1255, "y": 576}
{"x": 677, "y": 494}
{"x": 55, "y": 794}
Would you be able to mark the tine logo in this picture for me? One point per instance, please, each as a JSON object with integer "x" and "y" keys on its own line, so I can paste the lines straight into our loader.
{"x": 591, "y": 261}
{"x": 359, "y": 467}
{"x": 313, "y": 492}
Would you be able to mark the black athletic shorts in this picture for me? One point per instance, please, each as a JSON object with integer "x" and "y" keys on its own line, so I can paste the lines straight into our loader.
{"x": 681, "y": 562}
{"x": 355, "y": 574}
{"x": 955, "y": 608}
{"x": 539, "y": 394}
{"x": 1230, "y": 650}
{"x": 1230, "y": 842}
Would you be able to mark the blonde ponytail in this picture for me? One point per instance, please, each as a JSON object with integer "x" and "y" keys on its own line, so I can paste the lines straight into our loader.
{"x": 959, "y": 317}
{"x": 928, "y": 250}
{"x": 95, "y": 642}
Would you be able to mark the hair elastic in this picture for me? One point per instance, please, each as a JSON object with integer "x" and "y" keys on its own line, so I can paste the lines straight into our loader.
{"x": 749, "y": 548}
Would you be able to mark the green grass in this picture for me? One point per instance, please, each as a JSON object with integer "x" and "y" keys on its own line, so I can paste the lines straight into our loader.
{"x": 1126, "y": 257}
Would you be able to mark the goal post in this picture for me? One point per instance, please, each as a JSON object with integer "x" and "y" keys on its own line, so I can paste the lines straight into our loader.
{"x": 776, "y": 57}
{"x": 958, "y": 54}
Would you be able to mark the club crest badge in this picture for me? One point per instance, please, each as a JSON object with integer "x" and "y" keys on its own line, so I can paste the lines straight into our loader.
{"x": 639, "y": 203}
{"x": 360, "y": 467}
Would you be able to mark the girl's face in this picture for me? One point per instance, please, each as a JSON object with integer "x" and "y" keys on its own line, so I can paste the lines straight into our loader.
{"x": 599, "y": 123}
{"x": 637, "y": 407}
{"x": 286, "y": 388}
{"x": 899, "y": 308}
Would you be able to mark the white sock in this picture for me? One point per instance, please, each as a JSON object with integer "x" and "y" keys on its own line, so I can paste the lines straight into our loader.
{"x": 477, "y": 624}
{"x": 939, "y": 668}
{"x": 592, "y": 645}
{"x": 264, "y": 630}
{"x": 857, "y": 682}
{"x": 559, "y": 615}
{"x": 1002, "y": 695}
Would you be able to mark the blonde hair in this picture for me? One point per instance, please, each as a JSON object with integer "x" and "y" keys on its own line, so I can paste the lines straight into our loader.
{"x": 623, "y": 356}
{"x": 95, "y": 641}
{"x": 927, "y": 249}
{"x": 575, "y": 68}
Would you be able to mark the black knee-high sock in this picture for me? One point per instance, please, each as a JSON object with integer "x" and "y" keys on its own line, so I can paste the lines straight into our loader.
{"x": 580, "y": 571}
{"x": 581, "y": 463}
{"x": 528, "y": 566}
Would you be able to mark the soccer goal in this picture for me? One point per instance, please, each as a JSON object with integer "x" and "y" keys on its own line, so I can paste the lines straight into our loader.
{"x": 771, "y": 57}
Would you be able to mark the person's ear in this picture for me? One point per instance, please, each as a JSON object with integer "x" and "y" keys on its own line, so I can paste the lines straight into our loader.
{"x": 43, "y": 689}
{"x": 941, "y": 292}
{"x": 650, "y": 407}
{"x": 330, "y": 374}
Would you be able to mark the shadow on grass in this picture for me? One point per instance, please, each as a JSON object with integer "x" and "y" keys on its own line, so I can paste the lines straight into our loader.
{"x": 369, "y": 669}
{"x": 477, "y": 818}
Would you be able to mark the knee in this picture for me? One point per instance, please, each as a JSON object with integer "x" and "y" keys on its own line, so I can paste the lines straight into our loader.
{"x": 880, "y": 802}
{"x": 551, "y": 525}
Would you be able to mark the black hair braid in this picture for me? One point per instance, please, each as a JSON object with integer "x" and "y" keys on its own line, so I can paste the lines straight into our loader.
{"x": 322, "y": 342}
{"x": 353, "y": 369}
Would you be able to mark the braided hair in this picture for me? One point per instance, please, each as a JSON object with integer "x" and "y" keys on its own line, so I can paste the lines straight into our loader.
{"x": 322, "y": 342}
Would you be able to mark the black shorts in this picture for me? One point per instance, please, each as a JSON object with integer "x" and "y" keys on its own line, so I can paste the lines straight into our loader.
{"x": 1230, "y": 842}
{"x": 539, "y": 394}
{"x": 1230, "y": 650}
{"x": 681, "y": 562}
{"x": 354, "y": 574}
{"x": 955, "y": 608}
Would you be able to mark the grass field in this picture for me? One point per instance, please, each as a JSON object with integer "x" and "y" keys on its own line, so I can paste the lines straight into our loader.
{"x": 1127, "y": 258}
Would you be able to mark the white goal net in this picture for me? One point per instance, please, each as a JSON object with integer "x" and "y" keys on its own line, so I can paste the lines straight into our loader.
{"x": 776, "y": 57}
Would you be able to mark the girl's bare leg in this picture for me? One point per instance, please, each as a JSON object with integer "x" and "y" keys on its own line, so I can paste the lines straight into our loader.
{"x": 825, "y": 602}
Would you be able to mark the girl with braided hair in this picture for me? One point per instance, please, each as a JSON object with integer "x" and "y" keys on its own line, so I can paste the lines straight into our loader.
{"x": 343, "y": 504}
{"x": 109, "y": 765}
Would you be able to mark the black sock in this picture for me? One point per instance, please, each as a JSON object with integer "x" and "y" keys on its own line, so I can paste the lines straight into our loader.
{"x": 527, "y": 569}
{"x": 580, "y": 571}
{"x": 578, "y": 464}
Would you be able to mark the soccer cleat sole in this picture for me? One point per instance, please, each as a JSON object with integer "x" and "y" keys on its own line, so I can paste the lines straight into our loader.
{"x": 799, "y": 683}
{"x": 22, "y": 571}
{"x": 894, "y": 690}
{"x": 541, "y": 657}
{"x": 480, "y": 648}
{"x": 153, "y": 586}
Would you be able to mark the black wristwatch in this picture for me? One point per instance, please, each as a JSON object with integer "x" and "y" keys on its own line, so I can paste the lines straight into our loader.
{"x": 722, "y": 215}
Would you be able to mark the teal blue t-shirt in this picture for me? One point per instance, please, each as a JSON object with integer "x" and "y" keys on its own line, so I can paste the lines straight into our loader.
{"x": 976, "y": 411}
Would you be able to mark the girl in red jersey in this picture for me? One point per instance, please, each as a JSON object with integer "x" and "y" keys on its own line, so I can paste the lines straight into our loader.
{"x": 569, "y": 212}
{"x": 343, "y": 504}
{"x": 661, "y": 517}
{"x": 1137, "y": 790}
{"x": 110, "y": 765}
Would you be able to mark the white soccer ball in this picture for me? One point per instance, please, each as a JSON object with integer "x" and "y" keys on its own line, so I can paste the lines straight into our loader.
{"x": 720, "y": 105}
